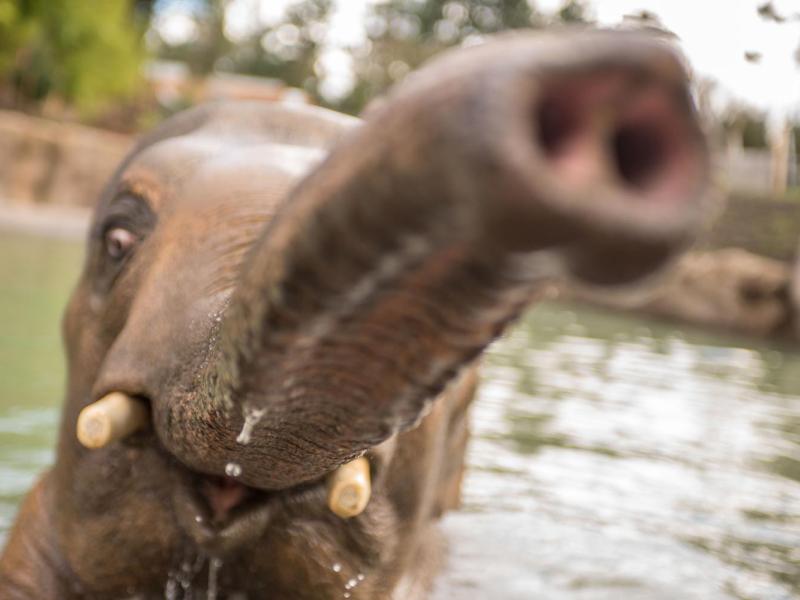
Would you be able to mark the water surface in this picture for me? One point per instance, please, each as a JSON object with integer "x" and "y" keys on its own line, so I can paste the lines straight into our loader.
{"x": 36, "y": 276}
{"x": 613, "y": 457}
{"x": 621, "y": 459}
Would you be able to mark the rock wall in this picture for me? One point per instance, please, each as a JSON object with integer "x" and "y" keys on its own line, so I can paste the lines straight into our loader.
{"x": 43, "y": 161}
{"x": 728, "y": 289}
{"x": 765, "y": 227}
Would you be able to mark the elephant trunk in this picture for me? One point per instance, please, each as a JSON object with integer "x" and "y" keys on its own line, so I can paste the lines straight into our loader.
{"x": 491, "y": 172}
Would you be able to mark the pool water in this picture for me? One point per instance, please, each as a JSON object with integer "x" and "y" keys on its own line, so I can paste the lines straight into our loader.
{"x": 613, "y": 457}
{"x": 36, "y": 276}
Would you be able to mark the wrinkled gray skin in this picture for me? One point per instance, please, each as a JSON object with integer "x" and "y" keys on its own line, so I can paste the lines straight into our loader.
{"x": 235, "y": 265}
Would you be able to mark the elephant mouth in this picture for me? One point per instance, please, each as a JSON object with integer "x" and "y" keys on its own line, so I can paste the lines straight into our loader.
{"x": 220, "y": 514}
{"x": 224, "y": 495}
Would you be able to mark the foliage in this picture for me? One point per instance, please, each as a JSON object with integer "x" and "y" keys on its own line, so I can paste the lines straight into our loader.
{"x": 574, "y": 11}
{"x": 88, "y": 54}
{"x": 768, "y": 12}
{"x": 15, "y": 30}
{"x": 289, "y": 50}
{"x": 405, "y": 33}
{"x": 202, "y": 52}
{"x": 85, "y": 53}
{"x": 401, "y": 34}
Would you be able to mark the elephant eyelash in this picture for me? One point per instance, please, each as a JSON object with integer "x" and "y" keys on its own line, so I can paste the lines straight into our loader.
{"x": 128, "y": 211}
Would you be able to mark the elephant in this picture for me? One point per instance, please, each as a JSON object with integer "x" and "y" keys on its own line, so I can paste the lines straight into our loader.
{"x": 283, "y": 290}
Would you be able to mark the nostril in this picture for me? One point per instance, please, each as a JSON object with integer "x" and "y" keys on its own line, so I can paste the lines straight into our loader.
{"x": 654, "y": 147}
{"x": 558, "y": 123}
{"x": 621, "y": 131}
{"x": 639, "y": 154}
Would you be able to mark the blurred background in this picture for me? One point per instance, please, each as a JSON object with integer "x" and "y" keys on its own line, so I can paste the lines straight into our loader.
{"x": 654, "y": 454}
{"x": 124, "y": 65}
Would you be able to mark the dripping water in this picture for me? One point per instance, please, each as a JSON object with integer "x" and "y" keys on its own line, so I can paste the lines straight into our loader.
{"x": 179, "y": 582}
{"x": 214, "y": 566}
{"x": 252, "y": 417}
{"x": 171, "y": 590}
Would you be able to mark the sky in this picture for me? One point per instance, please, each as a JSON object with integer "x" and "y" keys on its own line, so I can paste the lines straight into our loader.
{"x": 714, "y": 34}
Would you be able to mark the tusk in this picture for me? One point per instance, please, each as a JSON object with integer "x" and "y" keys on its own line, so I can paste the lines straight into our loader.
{"x": 114, "y": 417}
{"x": 349, "y": 488}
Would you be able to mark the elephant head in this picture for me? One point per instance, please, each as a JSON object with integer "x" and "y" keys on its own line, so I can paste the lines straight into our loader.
{"x": 284, "y": 289}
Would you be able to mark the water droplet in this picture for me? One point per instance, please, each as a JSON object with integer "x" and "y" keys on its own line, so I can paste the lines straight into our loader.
{"x": 346, "y": 594}
{"x": 198, "y": 519}
{"x": 337, "y": 567}
{"x": 214, "y": 565}
{"x": 186, "y": 567}
{"x": 171, "y": 591}
{"x": 351, "y": 583}
{"x": 252, "y": 416}
{"x": 232, "y": 469}
{"x": 360, "y": 577}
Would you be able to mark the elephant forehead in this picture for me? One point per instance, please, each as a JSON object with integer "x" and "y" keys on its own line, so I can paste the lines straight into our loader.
{"x": 200, "y": 170}
{"x": 260, "y": 172}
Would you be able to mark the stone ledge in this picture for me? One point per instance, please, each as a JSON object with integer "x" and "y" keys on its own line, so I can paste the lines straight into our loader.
{"x": 728, "y": 289}
{"x": 49, "y": 162}
{"x": 64, "y": 222}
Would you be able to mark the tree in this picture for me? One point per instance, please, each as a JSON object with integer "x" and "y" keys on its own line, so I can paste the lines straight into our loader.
{"x": 85, "y": 53}
{"x": 15, "y": 30}
{"x": 289, "y": 50}
{"x": 574, "y": 11}
{"x": 768, "y": 12}
{"x": 202, "y": 52}
{"x": 401, "y": 34}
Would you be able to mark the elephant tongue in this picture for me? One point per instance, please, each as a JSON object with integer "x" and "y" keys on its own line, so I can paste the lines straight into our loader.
{"x": 223, "y": 494}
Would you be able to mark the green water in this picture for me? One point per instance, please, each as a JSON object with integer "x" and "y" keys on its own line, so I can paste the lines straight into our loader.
{"x": 623, "y": 459}
{"x": 612, "y": 457}
{"x": 36, "y": 275}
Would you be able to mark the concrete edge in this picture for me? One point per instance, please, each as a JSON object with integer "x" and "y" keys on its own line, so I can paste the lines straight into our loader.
{"x": 63, "y": 222}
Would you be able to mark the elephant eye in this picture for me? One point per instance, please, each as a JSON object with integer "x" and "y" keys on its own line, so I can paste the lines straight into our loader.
{"x": 119, "y": 242}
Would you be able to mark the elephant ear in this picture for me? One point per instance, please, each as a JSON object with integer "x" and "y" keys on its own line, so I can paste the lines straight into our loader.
{"x": 425, "y": 232}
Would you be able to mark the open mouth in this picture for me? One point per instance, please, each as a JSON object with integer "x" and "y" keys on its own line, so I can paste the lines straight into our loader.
{"x": 224, "y": 495}
{"x": 218, "y": 513}
{"x": 221, "y": 514}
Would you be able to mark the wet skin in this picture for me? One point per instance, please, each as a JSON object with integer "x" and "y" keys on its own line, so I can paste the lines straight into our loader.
{"x": 233, "y": 265}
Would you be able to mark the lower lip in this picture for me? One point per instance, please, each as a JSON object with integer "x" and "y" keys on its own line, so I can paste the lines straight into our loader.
{"x": 244, "y": 521}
